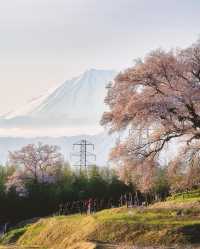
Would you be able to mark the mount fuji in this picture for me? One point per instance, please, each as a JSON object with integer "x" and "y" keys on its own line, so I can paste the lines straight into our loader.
{"x": 63, "y": 115}
{"x": 74, "y": 107}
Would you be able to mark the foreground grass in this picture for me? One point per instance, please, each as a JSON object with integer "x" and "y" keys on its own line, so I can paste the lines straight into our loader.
{"x": 165, "y": 223}
{"x": 185, "y": 200}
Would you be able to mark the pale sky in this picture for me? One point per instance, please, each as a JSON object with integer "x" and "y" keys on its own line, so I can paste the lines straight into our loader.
{"x": 44, "y": 42}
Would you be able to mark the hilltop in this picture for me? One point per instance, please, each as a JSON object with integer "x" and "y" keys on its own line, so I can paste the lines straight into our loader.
{"x": 175, "y": 221}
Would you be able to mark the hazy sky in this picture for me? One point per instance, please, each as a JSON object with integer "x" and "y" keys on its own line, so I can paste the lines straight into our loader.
{"x": 44, "y": 42}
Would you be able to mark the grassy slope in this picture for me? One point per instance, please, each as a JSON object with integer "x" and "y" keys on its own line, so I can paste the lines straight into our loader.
{"x": 174, "y": 221}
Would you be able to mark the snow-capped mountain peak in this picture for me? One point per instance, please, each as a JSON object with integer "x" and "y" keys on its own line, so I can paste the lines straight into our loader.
{"x": 79, "y": 101}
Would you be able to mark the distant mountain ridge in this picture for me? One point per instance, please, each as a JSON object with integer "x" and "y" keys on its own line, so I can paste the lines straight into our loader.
{"x": 102, "y": 145}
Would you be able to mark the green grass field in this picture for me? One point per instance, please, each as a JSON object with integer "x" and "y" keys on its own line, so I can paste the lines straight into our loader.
{"x": 176, "y": 221}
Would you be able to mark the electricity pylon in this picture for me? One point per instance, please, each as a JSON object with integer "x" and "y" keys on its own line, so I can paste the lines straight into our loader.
{"x": 83, "y": 154}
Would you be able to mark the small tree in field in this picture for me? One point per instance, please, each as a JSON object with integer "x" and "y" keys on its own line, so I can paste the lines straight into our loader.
{"x": 162, "y": 93}
{"x": 37, "y": 163}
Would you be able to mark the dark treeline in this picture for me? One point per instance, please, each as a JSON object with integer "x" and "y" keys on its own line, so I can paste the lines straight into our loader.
{"x": 69, "y": 194}
{"x": 43, "y": 199}
{"x": 37, "y": 182}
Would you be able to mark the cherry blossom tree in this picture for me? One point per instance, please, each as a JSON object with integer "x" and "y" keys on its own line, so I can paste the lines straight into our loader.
{"x": 160, "y": 93}
{"x": 38, "y": 163}
{"x": 184, "y": 170}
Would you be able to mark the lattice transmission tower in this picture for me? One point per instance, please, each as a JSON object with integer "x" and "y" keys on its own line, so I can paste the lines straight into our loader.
{"x": 82, "y": 151}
